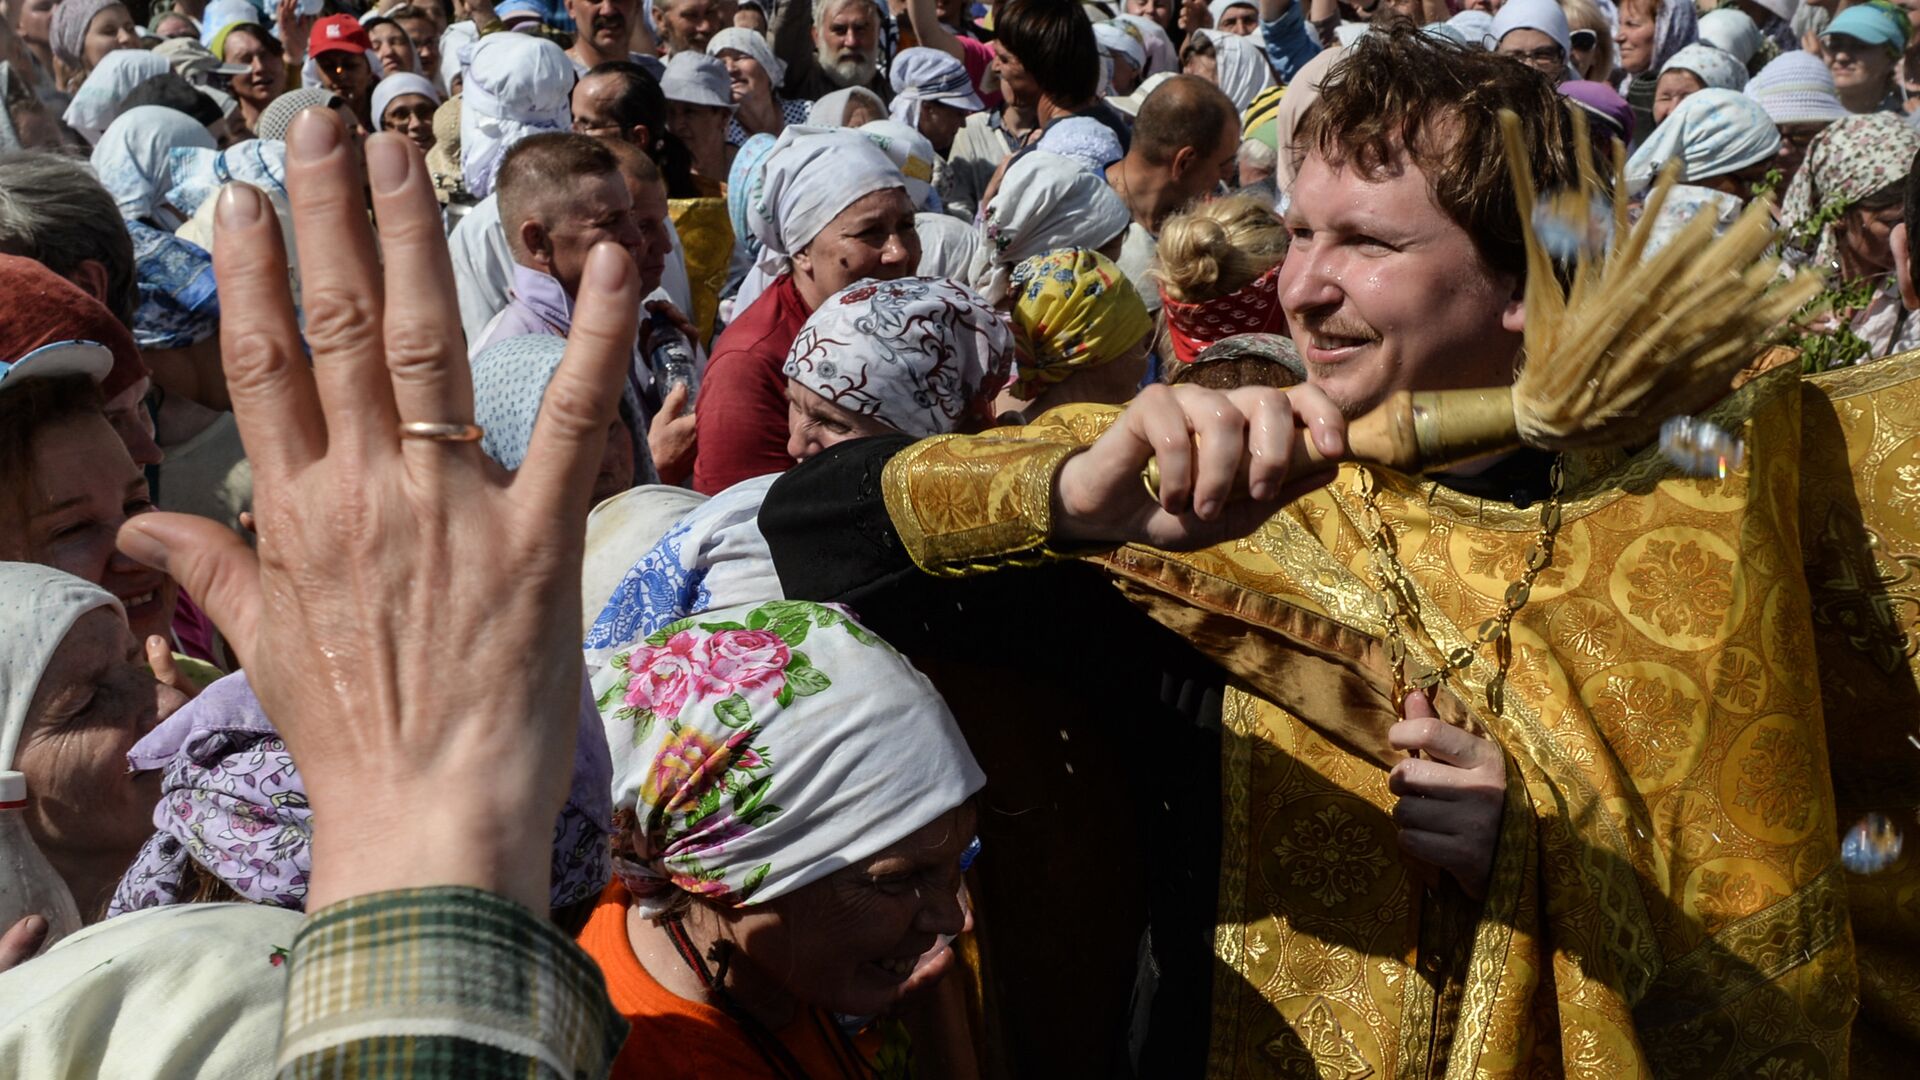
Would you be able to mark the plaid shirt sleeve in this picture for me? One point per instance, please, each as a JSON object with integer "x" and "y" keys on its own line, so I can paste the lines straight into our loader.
{"x": 444, "y": 982}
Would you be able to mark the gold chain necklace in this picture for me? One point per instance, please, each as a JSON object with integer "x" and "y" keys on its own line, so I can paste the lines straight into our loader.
{"x": 1400, "y": 600}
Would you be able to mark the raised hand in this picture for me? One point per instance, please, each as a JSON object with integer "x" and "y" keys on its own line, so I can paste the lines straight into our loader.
{"x": 411, "y": 618}
{"x": 1227, "y": 461}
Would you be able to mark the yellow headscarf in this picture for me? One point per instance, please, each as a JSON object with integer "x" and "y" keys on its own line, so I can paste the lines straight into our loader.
{"x": 1072, "y": 309}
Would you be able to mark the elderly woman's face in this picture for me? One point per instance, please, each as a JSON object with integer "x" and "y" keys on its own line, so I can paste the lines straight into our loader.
{"x": 814, "y": 423}
{"x": 747, "y": 77}
{"x": 85, "y": 488}
{"x": 858, "y": 942}
{"x": 111, "y": 29}
{"x": 94, "y": 701}
{"x": 1635, "y": 37}
{"x": 873, "y": 237}
{"x": 1673, "y": 88}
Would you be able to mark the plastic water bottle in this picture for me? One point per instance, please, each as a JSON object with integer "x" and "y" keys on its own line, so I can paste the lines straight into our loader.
{"x": 28, "y": 884}
{"x": 672, "y": 358}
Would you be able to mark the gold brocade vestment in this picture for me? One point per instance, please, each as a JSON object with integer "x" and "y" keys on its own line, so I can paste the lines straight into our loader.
{"x": 1666, "y": 897}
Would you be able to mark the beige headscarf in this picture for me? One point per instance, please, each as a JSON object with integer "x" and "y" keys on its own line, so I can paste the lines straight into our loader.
{"x": 1302, "y": 92}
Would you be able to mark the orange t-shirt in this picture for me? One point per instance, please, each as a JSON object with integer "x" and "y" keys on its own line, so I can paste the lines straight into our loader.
{"x": 672, "y": 1037}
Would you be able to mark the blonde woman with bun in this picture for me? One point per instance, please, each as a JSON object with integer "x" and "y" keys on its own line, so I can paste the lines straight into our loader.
{"x": 1219, "y": 271}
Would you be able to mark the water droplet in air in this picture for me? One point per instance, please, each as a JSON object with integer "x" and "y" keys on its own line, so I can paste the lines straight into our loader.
{"x": 1871, "y": 845}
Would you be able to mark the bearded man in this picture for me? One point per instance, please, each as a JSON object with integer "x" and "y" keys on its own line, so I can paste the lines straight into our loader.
{"x": 1617, "y": 855}
{"x": 829, "y": 45}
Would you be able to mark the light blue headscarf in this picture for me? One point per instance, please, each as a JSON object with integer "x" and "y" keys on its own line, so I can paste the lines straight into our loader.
{"x": 132, "y": 158}
{"x": 1713, "y": 133}
{"x": 179, "y": 305}
{"x": 197, "y": 173}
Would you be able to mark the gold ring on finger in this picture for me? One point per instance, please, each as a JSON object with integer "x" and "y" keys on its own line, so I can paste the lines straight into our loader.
{"x": 434, "y": 431}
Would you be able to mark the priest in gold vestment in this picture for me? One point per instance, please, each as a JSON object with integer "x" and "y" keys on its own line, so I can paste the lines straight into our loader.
{"x": 1699, "y": 685}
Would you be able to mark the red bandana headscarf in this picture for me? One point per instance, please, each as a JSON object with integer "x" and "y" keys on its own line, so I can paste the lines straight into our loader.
{"x": 1252, "y": 309}
{"x": 43, "y": 308}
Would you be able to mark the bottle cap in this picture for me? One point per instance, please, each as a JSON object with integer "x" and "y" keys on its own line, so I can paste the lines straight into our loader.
{"x": 13, "y": 790}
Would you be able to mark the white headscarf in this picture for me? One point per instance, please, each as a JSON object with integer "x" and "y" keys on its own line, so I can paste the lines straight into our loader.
{"x": 400, "y": 85}
{"x": 1218, "y": 8}
{"x": 1162, "y": 57}
{"x": 1240, "y": 68}
{"x": 1083, "y": 139}
{"x": 453, "y": 47}
{"x": 921, "y": 74}
{"x": 831, "y": 110}
{"x": 920, "y": 355}
{"x": 1544, "y": 16}
{"x": 41, "y": 605}
{"x": 742, "y": 40}
{"x": 808, "y": 179}
{"x": 947, "y": 245}
{"x": 1715, "y": 67}
{"x": 107, "y": 85}
{"x": 514, "y": 86}
{"x": 1114, "y": 38}
{"x": 913, "y": 153}
{"x": 1045, "y": 202}
{"x": 1713, "y": 132}
{"x": 834, "y": 748}
{"x": 132, "y": 155}
{"x": 1732, "y": 30}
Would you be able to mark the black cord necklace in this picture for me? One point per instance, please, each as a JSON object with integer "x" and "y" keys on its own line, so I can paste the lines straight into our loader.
{"x": 765, "y": 1043}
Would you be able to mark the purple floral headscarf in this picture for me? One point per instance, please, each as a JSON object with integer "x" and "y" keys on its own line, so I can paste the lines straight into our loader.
{"x": 231, "y": 799}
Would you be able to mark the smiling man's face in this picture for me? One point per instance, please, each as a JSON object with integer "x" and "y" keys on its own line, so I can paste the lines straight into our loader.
{"x": 1385, "y": 292}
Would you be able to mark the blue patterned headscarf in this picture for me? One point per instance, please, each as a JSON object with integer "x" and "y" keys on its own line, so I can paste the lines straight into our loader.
{"x": 179, "y": 302}
{"x": 196, "y": 173}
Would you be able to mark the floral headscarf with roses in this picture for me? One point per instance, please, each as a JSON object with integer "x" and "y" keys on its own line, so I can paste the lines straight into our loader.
{"x": 757, "y": 749}
{"x": 920, "y": 354}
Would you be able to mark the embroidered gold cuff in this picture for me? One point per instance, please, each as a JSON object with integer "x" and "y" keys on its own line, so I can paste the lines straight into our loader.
{"x": 969, "y": 504}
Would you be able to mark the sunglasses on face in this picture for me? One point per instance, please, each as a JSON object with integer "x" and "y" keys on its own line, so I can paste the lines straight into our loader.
{"x": 1582, "y": 40}
{"x": 1549, "y": 54}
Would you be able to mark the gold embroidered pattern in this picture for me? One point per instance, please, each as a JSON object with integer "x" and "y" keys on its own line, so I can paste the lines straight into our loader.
{"x": 1332, "y": 856}
{"x": 1681, "y": 587}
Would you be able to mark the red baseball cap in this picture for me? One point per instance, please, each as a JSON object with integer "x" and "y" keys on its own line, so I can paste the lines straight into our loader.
{"x": 338, "y": 33}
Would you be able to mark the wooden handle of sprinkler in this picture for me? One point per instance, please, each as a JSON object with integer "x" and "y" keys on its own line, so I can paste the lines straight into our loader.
{"x": 1414, "y": 432}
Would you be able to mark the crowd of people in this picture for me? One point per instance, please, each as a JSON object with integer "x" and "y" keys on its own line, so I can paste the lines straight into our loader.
{"x": 584, "y": 537}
